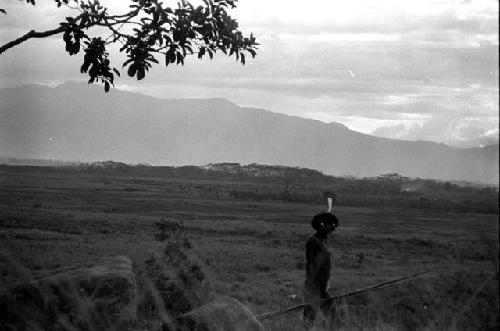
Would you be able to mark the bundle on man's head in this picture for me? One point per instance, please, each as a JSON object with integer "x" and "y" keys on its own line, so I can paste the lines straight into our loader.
{"x": 324, "y": 222}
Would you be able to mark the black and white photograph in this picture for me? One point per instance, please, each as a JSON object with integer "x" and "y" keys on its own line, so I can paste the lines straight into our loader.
{"x": 249, "y": 165}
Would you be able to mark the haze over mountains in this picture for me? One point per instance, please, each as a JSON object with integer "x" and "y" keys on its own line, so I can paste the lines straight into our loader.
{"x": 80, "y": 123}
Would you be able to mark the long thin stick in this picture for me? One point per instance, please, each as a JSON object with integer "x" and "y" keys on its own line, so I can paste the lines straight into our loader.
{"x": 337, "y": 297}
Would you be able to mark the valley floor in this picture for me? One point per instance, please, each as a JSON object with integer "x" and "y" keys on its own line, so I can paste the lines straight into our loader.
{"x": 254, "y": 250}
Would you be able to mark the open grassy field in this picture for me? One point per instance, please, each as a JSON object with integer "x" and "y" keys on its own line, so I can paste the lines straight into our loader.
{"x": 254, "y": 250}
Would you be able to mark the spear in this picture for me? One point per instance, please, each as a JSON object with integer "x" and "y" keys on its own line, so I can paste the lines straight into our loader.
{"x": 341, "y": 296}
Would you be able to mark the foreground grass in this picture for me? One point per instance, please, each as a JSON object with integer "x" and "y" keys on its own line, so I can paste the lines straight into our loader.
{"x": 253, "y": 250}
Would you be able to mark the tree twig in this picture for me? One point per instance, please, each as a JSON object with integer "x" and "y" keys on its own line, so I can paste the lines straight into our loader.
{"x": 29, "y": 35}
{"x": 35, "y": 34}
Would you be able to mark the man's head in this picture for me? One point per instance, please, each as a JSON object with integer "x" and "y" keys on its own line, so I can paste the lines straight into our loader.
{"x": 324, "y": 223}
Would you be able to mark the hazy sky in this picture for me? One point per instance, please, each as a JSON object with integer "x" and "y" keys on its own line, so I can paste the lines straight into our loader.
{"x": 418, "y": 70}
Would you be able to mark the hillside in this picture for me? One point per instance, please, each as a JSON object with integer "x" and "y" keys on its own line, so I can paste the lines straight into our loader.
{"x": 79, "y": 123}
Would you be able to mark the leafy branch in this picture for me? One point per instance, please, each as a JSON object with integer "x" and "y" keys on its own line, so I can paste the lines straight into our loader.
{"x": 149, "y": 30}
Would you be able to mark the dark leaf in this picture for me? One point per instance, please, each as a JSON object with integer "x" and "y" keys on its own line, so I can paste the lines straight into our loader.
{"x": 85, "y": 66}
{"x": 201, "y": 52}
{"x": 131, "y": 70}
{"x": 127, "y": 62}
{"x": 140, "y": 73}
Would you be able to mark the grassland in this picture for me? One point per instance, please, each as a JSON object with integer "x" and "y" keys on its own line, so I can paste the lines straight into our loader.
{"x": 253, "y": 250}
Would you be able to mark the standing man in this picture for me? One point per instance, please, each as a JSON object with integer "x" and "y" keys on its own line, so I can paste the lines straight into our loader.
{"x": 318, "y": 264}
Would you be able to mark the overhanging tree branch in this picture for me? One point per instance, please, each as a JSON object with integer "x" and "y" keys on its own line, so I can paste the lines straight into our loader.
{"x": 34, "y": 34}
{"x": 154, "y": 28}
{"x": 29, "y": 35}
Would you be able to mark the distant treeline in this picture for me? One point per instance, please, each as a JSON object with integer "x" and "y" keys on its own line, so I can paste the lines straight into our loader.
{"x": 262, "y": 182}
{"x": 439, "y": 204}
{"x": 484, "y": 202}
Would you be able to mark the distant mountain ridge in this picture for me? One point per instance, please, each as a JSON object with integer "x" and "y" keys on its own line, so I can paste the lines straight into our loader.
{"x": 81, "y": 123}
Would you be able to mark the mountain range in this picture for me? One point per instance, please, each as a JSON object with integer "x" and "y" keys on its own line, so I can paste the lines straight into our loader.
{"x": 77, "y": 122}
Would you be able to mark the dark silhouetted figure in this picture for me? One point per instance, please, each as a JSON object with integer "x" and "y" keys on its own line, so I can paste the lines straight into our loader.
{"x": 318, "y": 266}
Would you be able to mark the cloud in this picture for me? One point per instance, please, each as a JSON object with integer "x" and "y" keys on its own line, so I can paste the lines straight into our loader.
{"x": 22, "y": 17}
{"x": 368, "y": 64}
{"x": 398, "y": 131}
{"x": 403, "y": 20}
{"x": 392, "y": 25}
{"x": 461, "y": 132}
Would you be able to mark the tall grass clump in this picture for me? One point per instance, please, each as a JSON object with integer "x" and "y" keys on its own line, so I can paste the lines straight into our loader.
{"x": 174, "y": 283}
